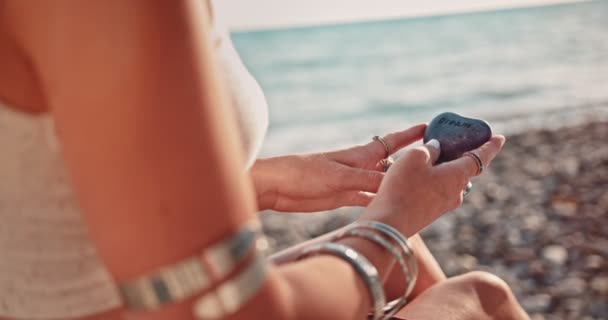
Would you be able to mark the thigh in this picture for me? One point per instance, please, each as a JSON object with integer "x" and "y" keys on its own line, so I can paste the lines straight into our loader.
{"x": 475, "y": 295}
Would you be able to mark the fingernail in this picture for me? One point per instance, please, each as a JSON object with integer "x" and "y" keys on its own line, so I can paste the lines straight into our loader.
{"x": 434, "y": 143}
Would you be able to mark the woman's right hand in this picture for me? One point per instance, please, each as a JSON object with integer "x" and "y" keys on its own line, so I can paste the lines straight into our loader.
{"x": 414, "y": 192}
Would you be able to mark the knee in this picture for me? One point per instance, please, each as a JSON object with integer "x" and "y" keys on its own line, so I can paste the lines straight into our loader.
{"x": 493, "y": 292}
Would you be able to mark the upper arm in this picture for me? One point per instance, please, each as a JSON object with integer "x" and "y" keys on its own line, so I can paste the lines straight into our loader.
{"x": 139, "y": 112}
{"x": 151, "y": 146}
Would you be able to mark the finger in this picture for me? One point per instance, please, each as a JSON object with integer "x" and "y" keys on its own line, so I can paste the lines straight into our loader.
{"x": 486, "y": 153}
{"x": 434, "y": 149}
{"x": 356, "y": 179}
{"x": 340, "y": 199}
{"x": 396, "y": 140}
{"x": 354, "y": 199}
{"x": 427, "y": 153}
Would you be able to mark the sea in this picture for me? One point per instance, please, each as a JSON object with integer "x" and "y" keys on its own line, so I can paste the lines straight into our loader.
{"x": 520, "y": 69}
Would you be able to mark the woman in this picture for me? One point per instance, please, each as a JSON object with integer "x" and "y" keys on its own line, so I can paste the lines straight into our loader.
{"x": 134, "y": 93}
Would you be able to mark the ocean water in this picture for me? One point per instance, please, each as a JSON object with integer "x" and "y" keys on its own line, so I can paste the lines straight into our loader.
{"x": 332, "y": 86}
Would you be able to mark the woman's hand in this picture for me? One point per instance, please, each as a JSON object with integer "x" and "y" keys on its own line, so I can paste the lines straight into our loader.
{"x": 414, "y": 192}
{"x": 324, "y": 181}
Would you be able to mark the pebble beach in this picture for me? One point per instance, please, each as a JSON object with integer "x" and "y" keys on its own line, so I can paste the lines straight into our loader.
{"x": 538, "y": 218}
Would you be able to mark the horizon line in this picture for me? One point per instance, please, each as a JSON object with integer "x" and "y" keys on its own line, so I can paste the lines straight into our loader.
{"x": 347, "y": 21}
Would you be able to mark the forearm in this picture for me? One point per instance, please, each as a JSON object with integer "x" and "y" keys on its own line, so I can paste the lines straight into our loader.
{"x": 429, "y": 271}
{"x": 327, "y": 287}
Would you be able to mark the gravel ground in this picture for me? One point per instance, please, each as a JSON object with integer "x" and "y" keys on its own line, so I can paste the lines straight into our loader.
{"x": 538, "y": 218}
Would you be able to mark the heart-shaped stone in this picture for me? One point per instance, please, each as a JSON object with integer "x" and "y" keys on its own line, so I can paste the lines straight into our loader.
{"x": 457, "y": 134}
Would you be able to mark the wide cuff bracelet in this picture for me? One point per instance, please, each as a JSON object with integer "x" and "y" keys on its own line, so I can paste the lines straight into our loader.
{"x": 190, "y": 276}
{"x": 231, "y": 295}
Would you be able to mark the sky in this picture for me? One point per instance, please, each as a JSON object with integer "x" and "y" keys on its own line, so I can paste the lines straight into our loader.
{"x": 263, "y": 14}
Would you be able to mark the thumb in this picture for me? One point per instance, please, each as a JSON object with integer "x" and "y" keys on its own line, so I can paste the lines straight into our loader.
{"x": 434, "y": 149}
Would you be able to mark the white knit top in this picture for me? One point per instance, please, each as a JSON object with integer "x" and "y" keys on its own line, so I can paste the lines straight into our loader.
{"x": 48, "y": 266}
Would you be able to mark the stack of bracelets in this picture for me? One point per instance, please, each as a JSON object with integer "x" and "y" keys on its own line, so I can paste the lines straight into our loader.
{"x": 387, "y": 238}
{"x": 207, "y": 273}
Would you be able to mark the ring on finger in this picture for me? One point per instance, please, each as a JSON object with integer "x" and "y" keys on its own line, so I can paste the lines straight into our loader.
{"x": 386, "y": 148}
{"x": 468, "y": 188}
{"x": 477, "y": 159}
{"x": 386, "y": 163}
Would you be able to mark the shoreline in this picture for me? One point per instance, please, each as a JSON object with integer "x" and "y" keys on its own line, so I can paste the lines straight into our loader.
{"x": 287, "y": 138}
{"x": 538, "y": 218}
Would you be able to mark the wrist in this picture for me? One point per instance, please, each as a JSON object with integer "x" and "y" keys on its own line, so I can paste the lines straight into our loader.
{"x": 400, "y": 217}
{"x": 380, "y": 258}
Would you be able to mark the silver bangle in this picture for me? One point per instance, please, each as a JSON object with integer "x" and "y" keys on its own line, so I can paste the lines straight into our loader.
{"x": 392, "y": 307}
{"x": 190, "y": 276}
{"x": 230, "y": 296}
{"x": 410, "y": 273}
{"x": 364, "y": 268}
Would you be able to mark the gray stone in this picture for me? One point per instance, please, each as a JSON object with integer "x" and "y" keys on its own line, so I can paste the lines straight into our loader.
{"x": 467, "y": 262}
{"x": 457, "y": 134}
{"x": 555, "y": 254}
{"x": 600, "y": 284}
{"x": 599, "y": 308}
{"x": 565, "y": 208}
{"x": 537, "y": 303}
{"x": 574, "y": 306}
{"x": 568, "y": 166}
{"x": 537, "y": 316}
{"x": 571, "y": 287}
{"x": 534, "y": 222}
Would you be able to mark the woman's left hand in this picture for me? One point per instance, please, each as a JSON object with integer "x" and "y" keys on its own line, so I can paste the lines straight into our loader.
{"x": 329, "y": 180}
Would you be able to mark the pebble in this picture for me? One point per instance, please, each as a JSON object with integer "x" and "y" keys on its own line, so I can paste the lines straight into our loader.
{"x": 574, "y": 306}
{"x": 555, "y": 254}
{"x": 468, "y": 262}
{"x": 534, "y": 222}
{"x": 489, "y": 217}
{"x": 568, "y": 166}
{"x": 537, "y": 303}
{"x": 599, "y": 308}
{"x": 600, "y": 284}
{"x": 514, "y": 237}
{"x": 571, "y": 287}
{"x": 564, "y": 208}
{"x": 457, "y": 134}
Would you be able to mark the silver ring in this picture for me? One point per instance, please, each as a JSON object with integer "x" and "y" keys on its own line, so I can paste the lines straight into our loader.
{"x": 477, "y": 159}
{"x": 468, "y": 188}
{"x": 386, "y": 148}
{"x": 386, "y": 163}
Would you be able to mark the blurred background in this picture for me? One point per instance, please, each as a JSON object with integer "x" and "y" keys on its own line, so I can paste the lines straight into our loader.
{"x": 338, "y": 72}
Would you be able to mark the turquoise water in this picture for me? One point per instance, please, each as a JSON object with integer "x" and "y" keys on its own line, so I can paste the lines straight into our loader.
{"x": 332, "y": 86}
